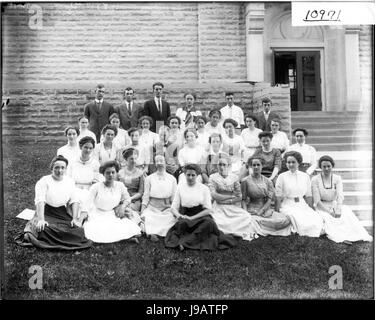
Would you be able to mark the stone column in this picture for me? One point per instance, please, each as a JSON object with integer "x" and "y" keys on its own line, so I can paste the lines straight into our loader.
{"x": 353, "y": 77}
{"x": 255, "y": 41}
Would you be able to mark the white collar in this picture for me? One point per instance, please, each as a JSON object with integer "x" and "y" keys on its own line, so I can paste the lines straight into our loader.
{"x": 99, "y": 101}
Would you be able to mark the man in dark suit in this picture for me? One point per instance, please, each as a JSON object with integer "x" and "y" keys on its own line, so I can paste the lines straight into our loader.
{"x": 265, "y": 117}
{"x": 129, "y": 112}
{"x": 98, "y": 111}
{"x": 157, "y": 109}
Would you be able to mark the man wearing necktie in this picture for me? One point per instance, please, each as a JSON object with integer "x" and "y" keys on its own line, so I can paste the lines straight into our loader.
{"x": 98, "y": 111}
{"x": 129, "y": 112}
{"x": 266, "y": 116}
{"x": 157, "y": 108}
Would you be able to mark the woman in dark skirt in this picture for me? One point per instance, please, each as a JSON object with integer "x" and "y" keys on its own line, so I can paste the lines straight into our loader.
{"x": 53, "y": 226}
{"x": 195, "y": 228}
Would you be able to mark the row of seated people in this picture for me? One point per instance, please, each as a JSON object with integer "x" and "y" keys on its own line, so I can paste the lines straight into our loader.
{"x": 188, "y": 214}
{"x": 194, "y": 145}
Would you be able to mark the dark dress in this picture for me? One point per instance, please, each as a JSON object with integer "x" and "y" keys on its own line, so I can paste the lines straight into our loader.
{"x": 201, "y": 233}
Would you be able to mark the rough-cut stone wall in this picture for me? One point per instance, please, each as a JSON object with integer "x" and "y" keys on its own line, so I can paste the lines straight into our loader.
{"x": 366, "y": 65}
{"x": 39, "y": 115}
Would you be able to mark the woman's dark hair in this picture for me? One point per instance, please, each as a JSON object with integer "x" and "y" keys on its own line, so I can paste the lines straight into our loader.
{"x": 114, "y": 115}
{"x": 214, "y": 135}
{"x": 300, "y": 129}
{"x": 326, "y": 158}
{"x": 265, "y": 134}
{"x": 233, "y": 122}
{"x": 251, "y": 116}
{"x": 190, "y": 130}
{"x": 85, "y": 140}
{"x": 149, "y": 119}
{"x": 109, "y": 164}
{"x": 128, "y": 152}
{"x": 71, "y": 128}
{"x": 58, "y": 158}
{"x": 131, "y": 130}
{"x": 190, "y": 94}
{"x": 249, "y": 162}
{"x": 278, "y": 120}
{"x": 109, "y": 127}
{"x": 200, "y": 117}
{"x": 294, "y": 154}
{"x": 81, "y": 117}
{"x": 213, "y": 111}
{"x": 192, "y": 166}
{"x": 174, "y": 117}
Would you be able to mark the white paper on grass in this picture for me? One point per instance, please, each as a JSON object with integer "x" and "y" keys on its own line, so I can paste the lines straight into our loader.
{"x": 26, "y": 214}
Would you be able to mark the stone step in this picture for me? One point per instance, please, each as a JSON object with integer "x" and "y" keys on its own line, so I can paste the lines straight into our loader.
{"x": 363, "y": 212}
{"x": 339, "y": 139}
{"x": 352, "y": 173}
{"x": 333, "y": 121}
{"x": 325, "y": 113}
{"x": 332, "y": 131}
{"x": 330, "y": 125}
{"x": 357, "y": 184}
{"x": 359, "y": 146}
{"x": 358, "y": 197}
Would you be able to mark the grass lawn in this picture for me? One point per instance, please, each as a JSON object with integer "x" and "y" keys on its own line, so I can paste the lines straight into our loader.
{"x": 268, "y": 267}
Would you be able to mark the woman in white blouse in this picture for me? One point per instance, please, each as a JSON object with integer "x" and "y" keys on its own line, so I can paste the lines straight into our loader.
{"x": 71, "y": 150}
{"x": 249, "y": 136}
{"x": 203, "y": 135}
{"x": 189, "y": 112}
{"x": 122, "y": 138}
{"x": 84, "y": 131}
{"x": 148, "y": 138}
{"x": 214, "y": 125}
{"x": 107, "y": 149}
{"x": 109, "y": 216}
{"x": 294, "y": 198}
{"x": 56, "y": 224}
{"x": 279, "y": 139}
{"x": 159, "y": 191}
{"x": 176, "y": 135}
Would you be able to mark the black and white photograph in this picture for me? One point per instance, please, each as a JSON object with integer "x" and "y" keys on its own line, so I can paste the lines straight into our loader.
{"x": 181, "y": 151}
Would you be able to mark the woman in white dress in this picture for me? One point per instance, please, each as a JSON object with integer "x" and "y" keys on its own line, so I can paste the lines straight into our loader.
{"x": 214, "y": 125}
{"x": 71, "y": 150}
{"x": 233, "y": 145}
{"x": 84, "y": 131}
{"x": 108, "y": 219}
{"x": 85, "y": 171}
{"x": 189, "y": 112}
{"x": 203, "y": 136}
{"x": 191, "y": 152}
{"x": 280, "y": 139}
{"x": 160, "y": 188}
{"x": 176, "y": 135}
{"x": 56, "y": 224}
{"x": 209, "y": 163}
{"x": 107, "y": 149}
{"x": 340, "y": 223}
{"x": 226, "y": 210}
{"x": 249, "y": 136}
{"x": 147, "y": 138}
{"x": 122, "y": 138}
{"x": 294, "y": 198}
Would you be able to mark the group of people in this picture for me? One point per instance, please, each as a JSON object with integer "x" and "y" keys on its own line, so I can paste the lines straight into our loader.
{"x": 197, "y": 184}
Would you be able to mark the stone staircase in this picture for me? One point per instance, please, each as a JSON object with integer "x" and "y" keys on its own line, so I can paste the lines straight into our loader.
{"x": 347, "y": 138}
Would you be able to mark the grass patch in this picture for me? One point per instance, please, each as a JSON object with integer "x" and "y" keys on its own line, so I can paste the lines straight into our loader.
{"x": 268, "y": 267}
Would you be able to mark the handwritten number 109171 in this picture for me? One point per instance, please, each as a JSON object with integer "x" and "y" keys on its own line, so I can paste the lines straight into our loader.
{"x": 322, "y": 15}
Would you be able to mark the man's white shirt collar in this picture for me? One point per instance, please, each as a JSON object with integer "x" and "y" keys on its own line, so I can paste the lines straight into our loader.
{"x": 98, "y": 101}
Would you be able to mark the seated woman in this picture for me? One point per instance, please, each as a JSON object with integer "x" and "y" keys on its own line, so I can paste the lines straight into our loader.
{"x": 168, "y": 149}
{"x": 148, "y": 138}
{"x": 133, "y": 178}
{"x": 195, "y": 228}
{"x": 107, "y": 149}
{"x": 214, "y": 125}
{"x": 279, "y": 139}
{"x": 160, "y": 188}
{"x": 190, "y": 153}
{"x": 143, "y": 152}
{"x": 233, "y": 145}
{"x": 176, "y": 135}
{"x": 257, "y": 195}
{"x": 71, "y": 150}
{"x": 84, "y": 131}
{"x": 340, "y": 223}
{"x": 203, "y": 136}
{"x": 109, "y": 216}
{"x": 122, "y": 138}
{"x": 250, "y": 136}
{"x": 294, "y": 198}
{"x": 227, "y": 212}
{"x": 53, "y": 227}
{"x": 189, "y": 112}
{"x": 85, "y": 171}
{"x": 271, "y": 156}
{"x": 209, "y": 163}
